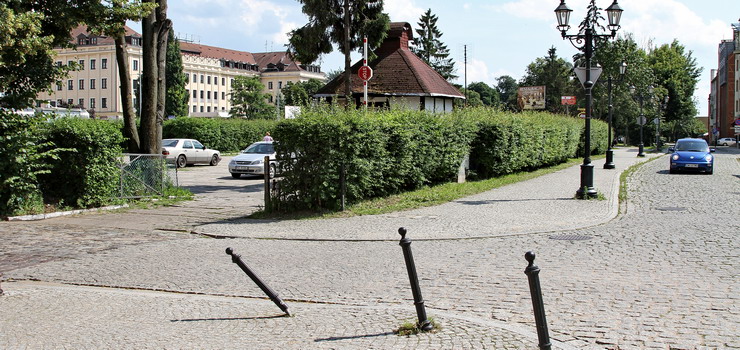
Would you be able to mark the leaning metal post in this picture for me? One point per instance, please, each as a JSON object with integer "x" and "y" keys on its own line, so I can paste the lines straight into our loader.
{"x": 424, "y": 323}
{"x": 237, "y": 259}
{"x": 267, "y": 183}
{"x": 533, "y": 273}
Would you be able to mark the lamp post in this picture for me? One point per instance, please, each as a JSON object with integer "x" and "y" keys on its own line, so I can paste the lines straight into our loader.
{"x": 641, "y": 96}
{"x": 584, "y": 41}
{"x": 663, "y": 106}
{"x": 609, "y": 152}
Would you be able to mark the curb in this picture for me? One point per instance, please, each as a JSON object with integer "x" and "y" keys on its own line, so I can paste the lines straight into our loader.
{"x": 61, "y": 213}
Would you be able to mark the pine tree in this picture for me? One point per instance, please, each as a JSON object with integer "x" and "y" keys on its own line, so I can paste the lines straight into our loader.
{"x": 429, "y": 47}
{"x": 176, "y": 101}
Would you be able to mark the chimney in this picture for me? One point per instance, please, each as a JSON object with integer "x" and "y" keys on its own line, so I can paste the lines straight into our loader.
{"x": 398, "y": 37}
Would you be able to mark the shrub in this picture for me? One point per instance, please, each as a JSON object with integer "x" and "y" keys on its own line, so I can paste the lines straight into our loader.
{"x": 86, "y": 173}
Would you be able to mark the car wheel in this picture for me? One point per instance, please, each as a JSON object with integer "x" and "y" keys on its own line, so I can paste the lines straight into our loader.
{"x": 671, "y": 171}
{"x": 724, "y": 144}
{"x": 710, "y": 171}
{"x": 272, "y": 170}
{"x": 182, "y": 161}
{"x": 215, "y": 159}
{"x": 236, "y": 176}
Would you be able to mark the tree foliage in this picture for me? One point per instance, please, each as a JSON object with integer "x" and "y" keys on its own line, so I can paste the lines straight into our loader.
{"x": 248, "y": 99}
{"x": 555, "y": 74}
{"x": 176, "y": 102}
{"x": 343, "y": 25}
{"x": 429, "y": 47}
{"x": 506, "y": 86}
{"x": 300, "y": 93}
{"x": 489, "y": 96}
{"x": 676, "y": 71}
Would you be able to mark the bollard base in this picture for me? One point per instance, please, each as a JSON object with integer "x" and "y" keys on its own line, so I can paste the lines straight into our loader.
{"x": 426, "y": 326}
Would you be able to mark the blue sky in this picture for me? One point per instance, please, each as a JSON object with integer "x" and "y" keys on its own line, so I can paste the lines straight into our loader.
{"x": 502, "y": 36}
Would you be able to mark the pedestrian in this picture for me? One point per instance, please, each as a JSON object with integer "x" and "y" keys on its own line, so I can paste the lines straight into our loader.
{"x": 267, "y": 137}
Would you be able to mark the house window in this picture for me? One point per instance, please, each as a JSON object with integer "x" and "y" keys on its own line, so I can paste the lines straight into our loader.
{"x": 209, "y": 79}
{"x": 58, "y": 104}
{"x": 195, "y": 79}
{"x": 232, "y": 81}
{"x": 209, "y": 109}
{"x": 82, "y": 84}
{"x": 103, "y": 63}
{"x": 82, "y": 64}
{"x": 70, "y": 85}
{"x": 201, "y": 93}
{"x": 92, "y": 64}
{"x": 69, "y": 63}
{"x": 103, "y": 102}
{"x": 82, "y": 103}
{"x": 270, "y": 98}
{"x": 195, "y": 109}
{"x": 201, "y": 78}
{"x": 59, "y": 63}
{"x": 215, "y": 80}
{"x": 92, "y": 84}
{"x": 136, "y": 65}
{"x": 69, "y": 103}
{"x": 209, "y": 95}
{"x": 269, "y": 86}
{"x": 195, "y": 95}
{"x": 201, "y": 109}
{"x": 92, "y": 103}
{"x": 223, "y": 95}
{"x": 223, "y": 81}
{"x": 280, "y": 84}
{"x": 104, "y": 83}
{"x": 215, "y": 95}
{"x": 59, "y": 86}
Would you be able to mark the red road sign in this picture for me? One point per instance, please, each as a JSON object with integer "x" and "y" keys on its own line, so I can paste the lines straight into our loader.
{"x": 567, "y": 100}
{"x": 365, "y": 73}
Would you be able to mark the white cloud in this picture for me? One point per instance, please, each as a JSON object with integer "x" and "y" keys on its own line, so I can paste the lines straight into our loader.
{"x": 477, "y": 71}
{"x": 402, "y": 11}
{"x": 534, "y": 9}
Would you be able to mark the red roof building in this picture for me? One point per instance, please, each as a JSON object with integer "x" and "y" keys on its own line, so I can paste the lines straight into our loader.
{"x": 400, "y": 78}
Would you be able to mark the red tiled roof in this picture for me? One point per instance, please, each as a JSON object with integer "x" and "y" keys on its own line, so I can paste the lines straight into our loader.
{"x": 397, "y": 71}
{"x": 265, "y": 58}
{"x": 103, "y": 39}
{"x": 216, "y": 52}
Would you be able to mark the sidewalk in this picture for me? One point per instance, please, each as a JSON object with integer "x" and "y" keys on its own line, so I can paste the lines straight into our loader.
{"x": 343, "y": 279}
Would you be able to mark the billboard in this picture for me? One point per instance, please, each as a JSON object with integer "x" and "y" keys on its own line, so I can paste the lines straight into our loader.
{"x": 567, "y": 100}
{"x": 531, "y": 97}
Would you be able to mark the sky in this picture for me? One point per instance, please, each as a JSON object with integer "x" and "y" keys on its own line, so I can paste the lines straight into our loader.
{"x": 500, "y": 37}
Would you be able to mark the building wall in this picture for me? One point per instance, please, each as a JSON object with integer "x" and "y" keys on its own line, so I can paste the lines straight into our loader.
{"x": 274, "y": 81}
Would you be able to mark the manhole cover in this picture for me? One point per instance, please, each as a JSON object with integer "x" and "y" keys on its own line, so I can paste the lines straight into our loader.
{"x": 571, "y": 237}
{"x": 671, "y": 209}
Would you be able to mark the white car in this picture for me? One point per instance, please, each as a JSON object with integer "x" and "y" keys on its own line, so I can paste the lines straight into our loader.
{"x": 726, "y": 141}
{"x": 251, "y": 160}
{"x": 188, "y": 151}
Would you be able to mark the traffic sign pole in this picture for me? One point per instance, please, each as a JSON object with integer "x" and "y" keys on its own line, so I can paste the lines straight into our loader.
{"x": 364, "y": 83}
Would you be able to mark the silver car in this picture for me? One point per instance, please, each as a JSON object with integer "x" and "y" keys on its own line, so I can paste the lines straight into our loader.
{"x": 251, "y": 160}
{"x": 726, "y": 141}
{"x": 188, "y": 151}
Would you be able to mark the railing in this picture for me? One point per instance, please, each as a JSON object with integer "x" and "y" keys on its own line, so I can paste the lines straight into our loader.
{"x": 145, "y": 175}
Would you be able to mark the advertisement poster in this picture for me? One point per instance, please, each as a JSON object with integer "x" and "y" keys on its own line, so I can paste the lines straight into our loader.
{"x": 531, "y": 97}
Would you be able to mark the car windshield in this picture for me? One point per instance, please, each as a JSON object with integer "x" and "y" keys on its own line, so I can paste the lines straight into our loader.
{"x": 692, "y": 146}
{"x": 260, "y": 148}
{"x": 169, "y": 143}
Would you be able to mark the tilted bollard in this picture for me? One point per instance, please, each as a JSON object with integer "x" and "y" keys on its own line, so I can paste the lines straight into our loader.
{"x": 424, "y": 323}
{"x": 237, "y": 259}
{"x": 533, "y": 273}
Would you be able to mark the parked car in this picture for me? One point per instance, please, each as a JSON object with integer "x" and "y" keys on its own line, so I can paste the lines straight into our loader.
{"x": 251, "y": 160}
{"x": 726, "y": 141}
{"x": 691, "y": 154}
{"x": 182, "y": 152}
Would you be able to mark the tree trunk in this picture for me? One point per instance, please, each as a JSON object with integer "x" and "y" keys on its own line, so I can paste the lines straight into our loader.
{"x": 153, "y": 27}
{"x": 129, "y": 118}
{"x": 347, "y": 59}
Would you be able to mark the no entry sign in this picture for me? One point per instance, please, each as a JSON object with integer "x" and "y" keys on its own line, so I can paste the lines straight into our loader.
{"x": 365, "y": 73}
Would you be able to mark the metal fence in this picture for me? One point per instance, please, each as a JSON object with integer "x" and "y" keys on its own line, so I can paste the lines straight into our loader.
{"x": 145, "y": 175}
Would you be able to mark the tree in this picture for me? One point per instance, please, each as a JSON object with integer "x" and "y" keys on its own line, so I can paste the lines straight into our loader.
{"x": 299, "y": 94}
{"x": 507, "y": 90}
{"x": 344, "y": 26}
{"x": 247, "y": 99}
{"x": 176, "y": 101}
{"x": 555, "y": 74}
{"x": 472, "y": 99}
{"x": 430, "y": 48}
{"x": 488, "y": 95}
{"x": 155, "y": 28}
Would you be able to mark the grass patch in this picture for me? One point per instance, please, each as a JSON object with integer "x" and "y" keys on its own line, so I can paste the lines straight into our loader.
{"x": 424, "y": 197}
{"x": 412, "y": 328}
{"x": 626, "y": 174}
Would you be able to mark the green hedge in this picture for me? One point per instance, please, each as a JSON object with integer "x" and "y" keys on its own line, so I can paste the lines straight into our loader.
{"x": 393, "y": 151}
{"x": 86, "y": 172}
{"x": 225, "y": 135}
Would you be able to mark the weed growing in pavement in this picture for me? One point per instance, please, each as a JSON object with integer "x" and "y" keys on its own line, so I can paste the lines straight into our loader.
{"x": 623, "y": 179}
{"x": 411, "y": 328}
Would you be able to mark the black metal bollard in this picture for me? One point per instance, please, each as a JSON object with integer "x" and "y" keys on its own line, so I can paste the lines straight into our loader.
{"x": 237, "y": 259}
{"x": 533, "y": 273}
{"x": 424, "y": 323}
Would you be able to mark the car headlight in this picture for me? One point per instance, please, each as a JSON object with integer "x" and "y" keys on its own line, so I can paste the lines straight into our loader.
{"x": 708, "y": 157}
{"x": 258, "y": 162}
{"x": 675, "y": 157}
{"x": 232, "y": 162}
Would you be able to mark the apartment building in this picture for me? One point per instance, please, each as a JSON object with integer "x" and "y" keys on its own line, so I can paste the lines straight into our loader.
{"x": 724, "y": 98}
{"x": 210, "y": 74}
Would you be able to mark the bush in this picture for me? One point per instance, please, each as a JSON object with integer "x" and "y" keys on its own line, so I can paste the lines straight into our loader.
{"x": 86, "y": 173}
{"x": 225, "y": 135}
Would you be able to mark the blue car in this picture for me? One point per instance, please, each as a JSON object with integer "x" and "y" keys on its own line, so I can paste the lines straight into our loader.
{"x": 691, "y": 155}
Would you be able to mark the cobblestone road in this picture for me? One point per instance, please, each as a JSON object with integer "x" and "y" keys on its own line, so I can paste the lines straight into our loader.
{"x": 663, "y": 274}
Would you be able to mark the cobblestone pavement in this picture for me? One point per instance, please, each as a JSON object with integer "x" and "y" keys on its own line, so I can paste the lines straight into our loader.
{"x": 661, "y": 275}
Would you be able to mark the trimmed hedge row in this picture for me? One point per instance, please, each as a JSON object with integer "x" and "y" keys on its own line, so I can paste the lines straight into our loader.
{"x": 392, "y": 151}
{"x": 85, "y": 174}
{"x": 225, "y": 135}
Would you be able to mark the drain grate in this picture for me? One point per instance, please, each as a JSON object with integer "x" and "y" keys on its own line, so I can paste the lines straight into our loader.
{"x": 571, "y": 237}
{"x": 671, "y": 209}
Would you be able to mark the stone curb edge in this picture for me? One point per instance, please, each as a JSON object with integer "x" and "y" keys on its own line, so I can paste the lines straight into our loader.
{"x": 62, "y": 213}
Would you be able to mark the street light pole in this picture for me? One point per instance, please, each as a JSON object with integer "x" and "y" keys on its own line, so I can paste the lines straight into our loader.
{"x": 584, "y": 42}
{"x": 609, "y": 152}
{"x": 640, "y": 95}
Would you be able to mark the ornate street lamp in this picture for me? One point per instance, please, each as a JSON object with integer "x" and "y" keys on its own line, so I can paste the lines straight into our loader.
{"x": 641, "y": 96}
{"x": 609, "y": 152}
{"x": 584, "y": 41}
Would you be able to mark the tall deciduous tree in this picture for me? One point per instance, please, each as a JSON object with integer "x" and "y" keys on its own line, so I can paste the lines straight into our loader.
{"x": 555, "y": 74}
{"x": 155, "y": 28}
{"x": 345, "y": 25}
{"x": 430, "y": 48}
{"x": 248, "y": 99}
{"x": 488, "y": 95}
{"x": 299, "y": 94}
{"x": 176, "y": 101}
{"x": 507, "y": 89}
